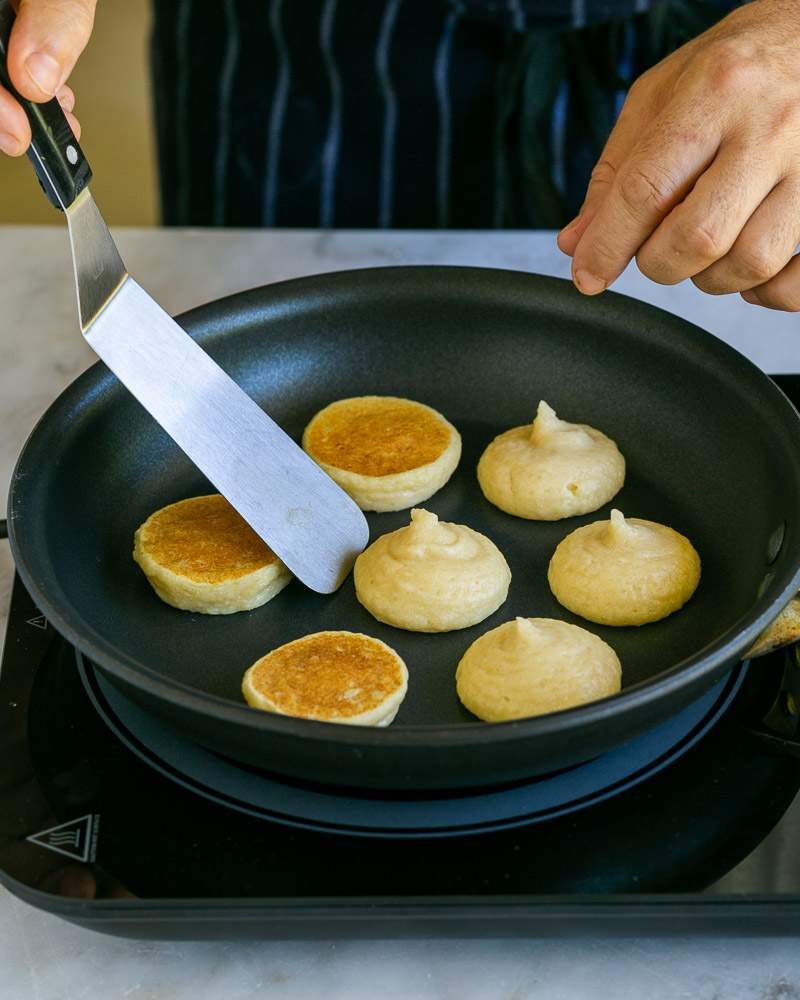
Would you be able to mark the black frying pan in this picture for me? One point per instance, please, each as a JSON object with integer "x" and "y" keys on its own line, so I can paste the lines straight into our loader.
{"x": 713, "y": 449}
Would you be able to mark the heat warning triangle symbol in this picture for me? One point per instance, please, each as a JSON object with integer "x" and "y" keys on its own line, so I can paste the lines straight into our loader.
{"x": 38, "y": 622}
{"x": 73, "y": 838}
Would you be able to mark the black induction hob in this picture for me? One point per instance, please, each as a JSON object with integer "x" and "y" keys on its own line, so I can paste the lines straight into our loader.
{"x": 117, "y": 823}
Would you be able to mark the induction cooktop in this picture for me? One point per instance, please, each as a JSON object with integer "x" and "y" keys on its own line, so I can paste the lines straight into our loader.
{"x": 114, "y": 821}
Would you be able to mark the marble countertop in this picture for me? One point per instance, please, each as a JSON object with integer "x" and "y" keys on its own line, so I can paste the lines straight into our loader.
{"x": 42, "y": 958}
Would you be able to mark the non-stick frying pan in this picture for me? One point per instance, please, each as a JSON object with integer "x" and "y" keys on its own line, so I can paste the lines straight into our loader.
{"x": 713, "y": 449}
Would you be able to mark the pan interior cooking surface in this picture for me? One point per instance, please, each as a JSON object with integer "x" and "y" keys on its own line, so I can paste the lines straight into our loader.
{"x": 710, "y": 444}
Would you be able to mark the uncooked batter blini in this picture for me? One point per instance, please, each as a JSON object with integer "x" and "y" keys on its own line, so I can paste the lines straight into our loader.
{"x": 201, "y": 555}
{"x": 532, "y": 666}
{"x": 551, "y": 469}
{"x": 387, "y": 453}
{"x": 343, "y": 677}
{"x": 624, "y": 571}
{"x": 431, "y": 576}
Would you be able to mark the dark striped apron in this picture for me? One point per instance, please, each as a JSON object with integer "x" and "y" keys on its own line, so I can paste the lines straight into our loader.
{"x": 396, "y": 113}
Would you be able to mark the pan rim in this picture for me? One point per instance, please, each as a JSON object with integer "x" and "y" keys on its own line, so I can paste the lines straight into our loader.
{"x": 707, "y": 661}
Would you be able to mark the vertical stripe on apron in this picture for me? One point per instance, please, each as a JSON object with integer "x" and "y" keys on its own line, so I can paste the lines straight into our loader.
{"x": 441, "y": 74}
{"x": 625, "y": 68}
{"x": 558, "y": 137}
{"x": 183, "y": 136}
{"x": 224, "y": 113}
{"x": 389, "y": 136}
{"x": 277, "y": 113}
{"x": 517, "y": 15}
{"x": 330, "y": 150}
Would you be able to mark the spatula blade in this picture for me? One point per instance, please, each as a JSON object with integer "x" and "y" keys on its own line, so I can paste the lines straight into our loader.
{"x": 305, "y": 518}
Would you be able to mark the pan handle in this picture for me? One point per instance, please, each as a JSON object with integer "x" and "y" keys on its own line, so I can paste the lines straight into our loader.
{"x": 58, "y": 160}
{"x": 3, "y": 528}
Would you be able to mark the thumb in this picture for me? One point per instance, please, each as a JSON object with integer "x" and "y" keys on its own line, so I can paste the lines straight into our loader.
{"x": 47, "y": 38}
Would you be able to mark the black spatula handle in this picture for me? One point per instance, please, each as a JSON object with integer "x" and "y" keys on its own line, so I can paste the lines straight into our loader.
{"x": 57, "y": 158}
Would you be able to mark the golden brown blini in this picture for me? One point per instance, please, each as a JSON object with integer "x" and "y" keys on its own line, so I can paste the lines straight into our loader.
{"x": 387, "y": 453}
{"x": 624, "y": 571}
{"x": 344, "y": 677}
{"x": 551, "y": 469}
{"x": 200, "y": 555}
{"x": 431, "y": 576}
{"x": 532, "y": 666}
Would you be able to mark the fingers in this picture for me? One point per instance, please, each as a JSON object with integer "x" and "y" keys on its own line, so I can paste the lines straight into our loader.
{"x": 780, "y": 292}
{"x": 47, "y": 38}
{"x": 705, "y": 226}
{"x": 15, "y": 132}
{"x": 74, "y": 124}
{"x": 66, "y": 98}
{"x": 620, "y": 143}
{"x": 763, "y": 247}
{"x": 662, "y": 168}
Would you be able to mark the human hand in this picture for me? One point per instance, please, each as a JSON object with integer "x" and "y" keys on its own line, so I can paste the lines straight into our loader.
{"x": 700, "y": 177}
{"x": 46, "y": 40}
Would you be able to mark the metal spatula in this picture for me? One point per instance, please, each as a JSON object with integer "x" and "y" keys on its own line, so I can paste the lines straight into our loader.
{"x": 312, "y": 525}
